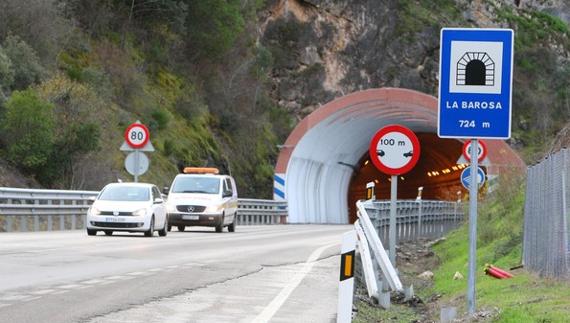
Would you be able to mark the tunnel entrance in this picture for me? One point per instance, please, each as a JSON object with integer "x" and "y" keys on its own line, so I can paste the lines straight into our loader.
{"x": 436, "y": 172}
{"x": 323, "y": 167}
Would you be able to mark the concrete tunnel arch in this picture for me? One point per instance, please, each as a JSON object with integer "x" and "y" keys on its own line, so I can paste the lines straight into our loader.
{"x": 322, "y": 167}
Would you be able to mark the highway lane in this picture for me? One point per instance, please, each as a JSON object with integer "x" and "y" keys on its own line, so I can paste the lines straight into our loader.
{"x": 279, "y": 273}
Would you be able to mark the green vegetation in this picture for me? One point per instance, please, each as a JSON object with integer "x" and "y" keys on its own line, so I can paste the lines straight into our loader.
{"x": 540, "y": 40}
{"x": 368, "y": 313}
{"x": 74, "y": 74}
{"x": 414, "y": 16}
{"x": 524, "y": 298}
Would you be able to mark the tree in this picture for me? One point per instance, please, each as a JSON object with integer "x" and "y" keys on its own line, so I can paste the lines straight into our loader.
{"x": 28, "y": 131}
{"x": 213, "y": 26}
{"x": 25, "y": 62}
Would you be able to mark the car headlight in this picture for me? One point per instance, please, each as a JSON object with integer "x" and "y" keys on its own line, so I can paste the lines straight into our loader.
{"x": 213, "y": 209}
{"x": 94, "y": 211}
{"x": 141, "y": 212}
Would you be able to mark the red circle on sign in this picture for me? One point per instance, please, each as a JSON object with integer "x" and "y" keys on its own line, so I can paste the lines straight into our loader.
{"x": 483, "y": 152}
{"x": 136, "y": 142}
{"x": 415, "y": 150}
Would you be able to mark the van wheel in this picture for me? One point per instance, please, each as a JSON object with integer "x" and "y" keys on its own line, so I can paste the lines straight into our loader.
{"x": 220, "y": 227}
{"x": 232, "y": 227}
{"x": 169, "y": 228}
{"x": 109, "y": 233}
{"x": 181, "y": 228}
{"x": 91, "y": 232}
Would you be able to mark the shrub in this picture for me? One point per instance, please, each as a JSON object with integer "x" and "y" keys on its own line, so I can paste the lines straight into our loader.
{"x": 6, "y": 71}
{"x": 25, "y": 61}
{"x": 162, "y": 117}
{"x": 28, "y": 129}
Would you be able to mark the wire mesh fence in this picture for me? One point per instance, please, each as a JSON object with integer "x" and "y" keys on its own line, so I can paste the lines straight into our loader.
{"x": 545, "y": 240}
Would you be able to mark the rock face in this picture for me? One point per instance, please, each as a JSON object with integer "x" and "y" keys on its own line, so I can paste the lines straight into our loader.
{"x": 324, "y": 49}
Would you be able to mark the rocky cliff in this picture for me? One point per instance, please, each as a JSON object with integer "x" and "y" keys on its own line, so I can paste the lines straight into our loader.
{"x": 323, "y": 49}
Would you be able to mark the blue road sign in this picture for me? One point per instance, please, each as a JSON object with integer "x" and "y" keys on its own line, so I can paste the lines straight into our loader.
{"x": 475, "y": 83}
{"x": 466, "y": 177}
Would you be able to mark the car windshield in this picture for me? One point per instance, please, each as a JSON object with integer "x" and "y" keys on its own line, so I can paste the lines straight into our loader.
{"x": 125, "y": 193}
{"x": 196, "y": 184}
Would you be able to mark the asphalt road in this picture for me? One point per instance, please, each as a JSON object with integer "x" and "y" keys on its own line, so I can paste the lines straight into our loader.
{"x": 281, "y": 273}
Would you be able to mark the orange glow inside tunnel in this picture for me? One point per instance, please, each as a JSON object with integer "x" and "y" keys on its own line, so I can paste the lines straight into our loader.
{"x": 436, "y": 171}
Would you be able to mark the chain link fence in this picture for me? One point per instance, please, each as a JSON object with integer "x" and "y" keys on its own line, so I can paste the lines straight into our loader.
{"x": 545, "y": 241}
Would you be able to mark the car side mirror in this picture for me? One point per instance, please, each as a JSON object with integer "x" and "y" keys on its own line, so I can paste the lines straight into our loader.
{"x": 158, "y": 200}
{"x": 227, "y": 194}
{"x": 165, "y": 190}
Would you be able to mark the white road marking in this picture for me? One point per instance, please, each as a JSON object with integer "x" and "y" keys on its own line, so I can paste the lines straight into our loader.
{"x": 70, "y": 286}
{"x": 43, "y": 292}
{"x": 31, "y": 298}
{"x": 92, "y": 281}
{"x": 278, "y": 301}
{"x": 17, "y": 297}
{"x": 60, "y": 292}
{"x": 115, "y": 277}
{"x": 156, "y": 269}
{"x": 137, "y": 273}
{"x": 4, "y": 305}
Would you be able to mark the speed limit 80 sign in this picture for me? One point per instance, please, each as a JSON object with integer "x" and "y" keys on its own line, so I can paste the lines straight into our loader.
{"x": 394, "y": 150}
{"x": 137, "y": 135}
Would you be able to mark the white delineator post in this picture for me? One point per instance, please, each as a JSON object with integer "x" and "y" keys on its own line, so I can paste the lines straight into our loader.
{"x": 367, "y": 265}
{"x": 346, "y": 283}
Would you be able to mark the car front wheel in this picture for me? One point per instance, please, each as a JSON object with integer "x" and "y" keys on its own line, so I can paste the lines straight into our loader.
{"x": 150, "y": 231}
{"x": 91, "y": 232}
{"x": 164, "y": 229}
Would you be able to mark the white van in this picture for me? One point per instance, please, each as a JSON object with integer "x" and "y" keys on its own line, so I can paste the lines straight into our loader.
{"x": 202, "y": 197}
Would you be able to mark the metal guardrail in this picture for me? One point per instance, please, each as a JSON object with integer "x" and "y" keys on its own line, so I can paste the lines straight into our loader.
{"x": 415, "y": 218}
{"x": 46, "y": 210}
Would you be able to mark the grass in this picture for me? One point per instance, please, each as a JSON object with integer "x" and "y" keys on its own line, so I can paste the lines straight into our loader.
{"x": 524, "y": 298}
{"x": 368, "y": 313}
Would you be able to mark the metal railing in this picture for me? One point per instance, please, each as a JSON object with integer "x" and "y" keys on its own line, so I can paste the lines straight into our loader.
{"x": 415, "y": 218}
{"x": 46, "y": 210}
{"x": 546, "y": 248}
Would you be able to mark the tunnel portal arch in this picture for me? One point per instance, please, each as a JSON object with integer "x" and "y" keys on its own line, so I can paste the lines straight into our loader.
{"x": 323, "y": 166}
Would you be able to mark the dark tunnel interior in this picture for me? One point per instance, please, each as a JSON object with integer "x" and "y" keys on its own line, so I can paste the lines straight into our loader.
{"x": 436, "y": 171}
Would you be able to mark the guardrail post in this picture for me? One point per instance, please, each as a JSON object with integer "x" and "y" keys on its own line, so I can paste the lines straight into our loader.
{"x": 419, "y": 218}
{"x": 9, "y": 219}
{"x": 36, "y": 218}
{"x": 49, "y": 218}
{"x": 73, "y": 216}
{"x": 24, "y": 223}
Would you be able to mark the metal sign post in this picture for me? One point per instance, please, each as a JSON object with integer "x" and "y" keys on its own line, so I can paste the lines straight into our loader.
{"x": 473, "y": 190}
{"x": 137, "y": 165}
{"x": 393, "y": 209}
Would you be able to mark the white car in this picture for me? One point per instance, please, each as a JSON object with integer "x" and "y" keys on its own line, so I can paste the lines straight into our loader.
{"x": 130, "y": 207}
{"x": 201, "y": 197}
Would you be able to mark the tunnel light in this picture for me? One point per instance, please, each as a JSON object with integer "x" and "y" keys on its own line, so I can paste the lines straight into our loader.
{"x": 376, "y": 181}
{"x": 366, "y": 162}
{"x": 402, "y": 178}
{"x": 454, "y": 168}
{"x": 429, "y": 174}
